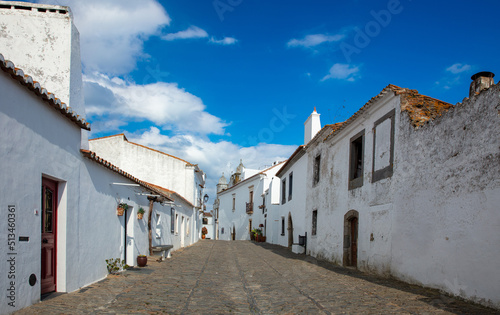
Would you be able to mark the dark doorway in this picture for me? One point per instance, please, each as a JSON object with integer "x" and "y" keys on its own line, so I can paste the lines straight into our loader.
{"x": 351, "y": 228}
{"x": 233, "y": 235}
{"x": 290, "y": 230}
{"x": 49, "y": 235}
{"x": 354, "y": 241}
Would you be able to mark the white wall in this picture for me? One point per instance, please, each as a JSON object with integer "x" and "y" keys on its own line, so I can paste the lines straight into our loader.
{"x": 45, "y": 45}
{"x": 332, "y": 199}
{"x": 151, "y": 166}
{"x": 446, "y": 227}
{"x": 296, "y": 207}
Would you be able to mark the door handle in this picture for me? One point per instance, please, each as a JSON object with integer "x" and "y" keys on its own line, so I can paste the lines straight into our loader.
{"x": 45, "y": 241}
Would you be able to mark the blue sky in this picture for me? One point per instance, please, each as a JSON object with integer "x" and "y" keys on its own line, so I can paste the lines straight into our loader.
{"x": 216, "y": 81}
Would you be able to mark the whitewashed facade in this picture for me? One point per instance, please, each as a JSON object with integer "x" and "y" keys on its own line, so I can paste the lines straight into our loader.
{"x": 165, "y": 170}
{"x": 241, "y": 207}
{"x": 58, "y": 200}
{"x": 405, "y": 185}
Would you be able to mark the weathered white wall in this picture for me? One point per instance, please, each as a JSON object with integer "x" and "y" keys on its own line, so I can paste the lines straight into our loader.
{"x": 296, "y": 207}
{"x": 47, "y": 46}
{"x": 446, "y": 228}
{"x": 151, "y": 166}
{"x": 332, "y": 199}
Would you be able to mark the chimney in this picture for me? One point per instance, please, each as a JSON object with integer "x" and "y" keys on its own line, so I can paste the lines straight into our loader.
{"x": 311, "y": 126}
{"x": 481, "y": 81}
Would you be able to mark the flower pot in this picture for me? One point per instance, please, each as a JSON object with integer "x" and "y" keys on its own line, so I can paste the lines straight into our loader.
{"x": 140, "y": 215}
{"x": 263, "y": 239}
{"x": 203, "y": 236}
{"x": 119, "y": 211}
{"x": 142, "y": 261}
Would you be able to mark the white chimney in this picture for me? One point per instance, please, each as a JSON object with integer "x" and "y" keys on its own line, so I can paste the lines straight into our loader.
{"x": 311, "y": 126}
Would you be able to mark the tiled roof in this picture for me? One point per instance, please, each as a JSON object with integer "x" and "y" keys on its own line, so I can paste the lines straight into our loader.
{"x": 420, "y": 108}
{"x": 35, "y": 87}
{"x": 170, "y": 193}
{"x": 94, "y": 157}
{"x": 143, "y": 146}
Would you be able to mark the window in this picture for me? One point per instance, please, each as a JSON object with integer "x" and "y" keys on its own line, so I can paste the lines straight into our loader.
{"x": 176, "y": 223}
{"x": 172, "y": 220}
{"x": 283, "y": 192}
{"x": 356, "y": 160}
{"x": 205, "y": 220}
{"x": 187, "y": 226}
{"x": 234, "y": 202}
{"x": 263, "y": 203}
{"x": 314, "y": 222}
{"x": 317, "y": 163}
{"x": 290, "y": 185}
{"x": 282, "y": 226}
{"x": 383, "y": 147}
{"x": 251, "y": 196}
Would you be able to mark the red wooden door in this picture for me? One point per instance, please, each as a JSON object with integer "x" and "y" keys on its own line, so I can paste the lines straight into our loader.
{"x": 49, "y": 208}
{"x": 354, "y": 242}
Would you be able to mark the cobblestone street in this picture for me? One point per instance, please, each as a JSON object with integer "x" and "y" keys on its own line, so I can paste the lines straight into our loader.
{"x": 214, "y": 277}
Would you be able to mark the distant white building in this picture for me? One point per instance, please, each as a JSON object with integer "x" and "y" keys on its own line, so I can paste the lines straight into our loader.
{"x": 241, "y": 206}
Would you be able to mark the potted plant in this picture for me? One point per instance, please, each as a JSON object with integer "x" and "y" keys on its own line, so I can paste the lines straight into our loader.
{"x": 142, "y": 260}
{"x": 121, "y": 208}
{"x": 140, "y": 213}
{"x": 258, "y": 235}
{"x": 253, "y": 233}
{"x": 204, "y": 232}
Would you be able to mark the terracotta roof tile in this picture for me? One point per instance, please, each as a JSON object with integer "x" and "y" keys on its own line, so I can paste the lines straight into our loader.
{"x": 420, "y": 108}
{"x": 49, "y": 98}
{"x": 94, "y": 157}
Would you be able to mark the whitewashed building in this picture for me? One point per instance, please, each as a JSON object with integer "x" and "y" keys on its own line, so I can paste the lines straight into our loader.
{"x": 408, "y": 187}
{"x": 59, "y": 199}
{"x": 242, "y": 205}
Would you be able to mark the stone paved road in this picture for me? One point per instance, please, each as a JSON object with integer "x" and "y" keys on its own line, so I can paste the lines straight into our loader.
{"x": 215, "y": 277}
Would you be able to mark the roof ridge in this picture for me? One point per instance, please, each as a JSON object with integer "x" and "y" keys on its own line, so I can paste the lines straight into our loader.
{"x": 94, "y": 157}
{"x": 32, "y": 85}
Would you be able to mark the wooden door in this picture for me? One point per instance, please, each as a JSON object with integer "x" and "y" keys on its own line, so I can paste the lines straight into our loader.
{"x": 354, "y": 242}
{"x": 49, "y": 236}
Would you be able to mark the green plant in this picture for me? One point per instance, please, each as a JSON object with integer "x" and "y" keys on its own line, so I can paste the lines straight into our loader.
{"x": 258, "y": 231}
{"x": 115, "y": 265}
{"x": 141, "y": 210}
{"x": 123, "y": 205}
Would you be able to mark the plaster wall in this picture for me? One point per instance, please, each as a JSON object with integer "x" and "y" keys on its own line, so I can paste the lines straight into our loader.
{"x": 239, "y": 218}
{"x": 46, "y": 45}
{"x": 296, "y": 207}
{"x": 446, "y": 227}
{"x": 151, "y": 166}
{"x": 332, "y": 199}
{"x": 37, "y": 141}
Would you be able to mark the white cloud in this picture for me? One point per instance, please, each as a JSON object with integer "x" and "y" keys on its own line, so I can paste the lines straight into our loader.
{"x": 458, "y": 68}
{"x": 112, "y": 32}
{"x": 343, "y": 71}
{"x": 314, "y": 40}
{"x": 191, "y": 32}
{"x": 224, "y": 41}
{"x": 213, "y": 157}
{"x": 164, "y": 104}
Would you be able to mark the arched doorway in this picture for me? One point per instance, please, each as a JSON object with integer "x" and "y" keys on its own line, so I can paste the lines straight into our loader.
{"x": 351, "y": 224}
{"x": 233, "y": 234}
{"x": 290, "y": 230}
